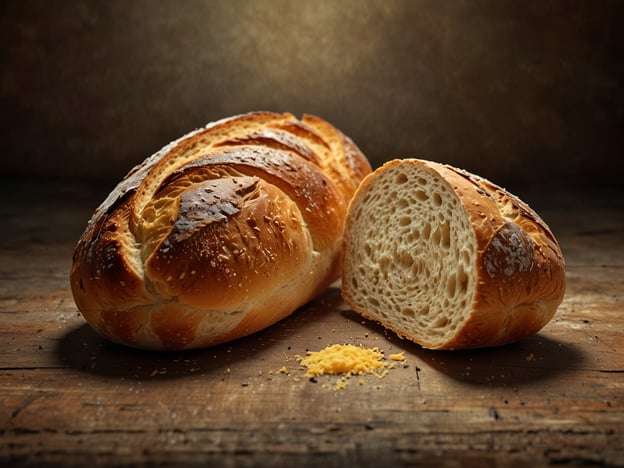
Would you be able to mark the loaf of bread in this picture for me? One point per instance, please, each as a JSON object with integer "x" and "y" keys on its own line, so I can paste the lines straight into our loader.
{"x": 219, "y": 234}
{"x": 448, "y": 259}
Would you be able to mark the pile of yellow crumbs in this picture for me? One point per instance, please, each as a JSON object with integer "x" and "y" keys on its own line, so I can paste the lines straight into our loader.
{"x": 347, "y": 361}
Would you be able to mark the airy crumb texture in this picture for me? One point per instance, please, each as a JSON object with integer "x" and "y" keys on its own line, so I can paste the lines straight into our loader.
{"x": 411, "y": 260}
{"x": 448, "y": 259}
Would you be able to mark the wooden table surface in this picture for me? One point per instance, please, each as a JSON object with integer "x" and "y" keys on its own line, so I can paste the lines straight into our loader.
{"x": 70, "y": 398}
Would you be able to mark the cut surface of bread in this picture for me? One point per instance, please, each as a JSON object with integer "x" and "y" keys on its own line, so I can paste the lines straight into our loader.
{"x": 448, "y": 259}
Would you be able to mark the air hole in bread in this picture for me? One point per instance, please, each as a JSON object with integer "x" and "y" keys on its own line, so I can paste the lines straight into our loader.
{"x": 462, "y": 280}
{"x": 437, "y": 199}
{"x": 405, "y": 221}
{"x": 367, "y": 250}
{"x": 405, "y": 260}
{"x": 436, "y": 237}
{"x": 441, "y": 321}
{"x": 421, "y": 195}
{"x": 374, "y": 301}
{"x": 401, "y": 178}
{"x": 465, "y": 257}
{"x": 417, "y": 268}
{"x": 451, "y": 285}
{"x": 384, "y": 263}
{"x": 426, "y": 230}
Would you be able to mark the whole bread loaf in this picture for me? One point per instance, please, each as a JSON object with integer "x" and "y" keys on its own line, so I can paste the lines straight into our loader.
{"x": 448, "y": 259}
{"x": 219, "y": 234}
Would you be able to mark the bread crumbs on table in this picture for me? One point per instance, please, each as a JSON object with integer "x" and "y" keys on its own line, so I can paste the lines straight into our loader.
{"x": 347, "y": 361}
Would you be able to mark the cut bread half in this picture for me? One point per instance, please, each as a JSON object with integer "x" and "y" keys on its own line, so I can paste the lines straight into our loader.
{"x": 448, "y": 259}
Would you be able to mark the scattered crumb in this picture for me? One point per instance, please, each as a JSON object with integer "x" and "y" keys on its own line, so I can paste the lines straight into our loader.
{"x": 342, "y": 360}
{"x": 341, "y": 383}
{"x": 530, "y": 357}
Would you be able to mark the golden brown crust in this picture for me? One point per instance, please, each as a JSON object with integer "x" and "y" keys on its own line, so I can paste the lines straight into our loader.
{"x": 219, "y": 234}
{"x": 520, "y": 266}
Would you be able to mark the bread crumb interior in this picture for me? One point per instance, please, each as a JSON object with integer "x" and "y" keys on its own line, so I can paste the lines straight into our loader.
{"x": 410, "y": 256}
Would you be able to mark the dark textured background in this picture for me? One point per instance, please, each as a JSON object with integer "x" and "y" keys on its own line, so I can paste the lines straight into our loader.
{"x": 517, "y": 91}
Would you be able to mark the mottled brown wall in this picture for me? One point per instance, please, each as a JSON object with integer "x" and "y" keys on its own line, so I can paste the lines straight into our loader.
{"x": 517, "y": 91}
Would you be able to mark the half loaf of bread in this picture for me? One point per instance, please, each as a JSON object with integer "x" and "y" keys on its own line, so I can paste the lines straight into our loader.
{"x": 448, "y": 259}
{"x": 219, "y": 234}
